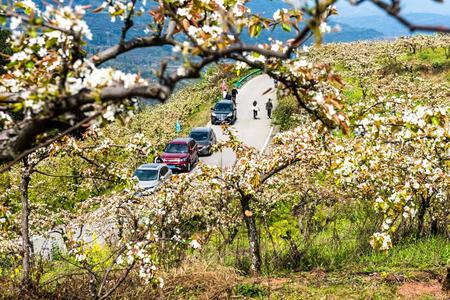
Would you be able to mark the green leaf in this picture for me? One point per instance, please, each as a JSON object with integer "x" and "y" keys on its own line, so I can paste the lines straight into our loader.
{"x": 33, "y": 33}
{"x": 20, "y": 5}
{"x": 38, "y": 21}
{"x": 50, "y": 43}
{"x": 255, "y": 30}
{"x": 435, "y": 120}
{"x": 29, "y": 64}
{"x": 286, "y": 27}
{"x": 17, "y": 106}
{"x": 12, "y": 64}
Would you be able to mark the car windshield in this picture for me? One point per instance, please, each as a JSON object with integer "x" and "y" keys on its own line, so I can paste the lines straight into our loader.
{"x": 176, "y": 148}
{"x": 146, "y": 175}
{"x": 223, "y": 107}
{"x": 199, "y": 135}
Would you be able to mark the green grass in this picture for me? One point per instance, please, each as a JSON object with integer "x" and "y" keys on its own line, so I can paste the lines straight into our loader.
{"x": 430, "y": 56}
{"x": 426, "y": 58}
{"x": 284, "y": 113}
{"x": 198, "y": 118}
{"x": 411, "y": 254}
{"x": 340, "y": 246}
{"x": 337, "y": 291}
{"x": 362, "y": 274}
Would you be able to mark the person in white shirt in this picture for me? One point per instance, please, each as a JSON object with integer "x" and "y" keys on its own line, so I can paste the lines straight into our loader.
{"x": 255, "y": 109}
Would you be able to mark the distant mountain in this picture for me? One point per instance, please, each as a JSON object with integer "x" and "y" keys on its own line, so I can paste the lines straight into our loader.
{"x": 106, "y": 34}
{"x": 390, "y": 27}
{"x": 353, "y": 28}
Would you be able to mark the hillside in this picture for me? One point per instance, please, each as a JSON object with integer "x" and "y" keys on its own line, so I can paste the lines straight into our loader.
{"x": 389, "y": 27}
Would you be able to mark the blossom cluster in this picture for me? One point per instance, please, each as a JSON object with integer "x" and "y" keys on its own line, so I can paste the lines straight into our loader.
{"x": 398, "y": 158}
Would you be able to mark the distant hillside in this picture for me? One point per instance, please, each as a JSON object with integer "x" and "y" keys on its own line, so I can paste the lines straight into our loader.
{"x": 353, "y": 28}
{"x": 106, "y": 34}
{"x": 391, "y": 28}
{"x": 350, "y": 34}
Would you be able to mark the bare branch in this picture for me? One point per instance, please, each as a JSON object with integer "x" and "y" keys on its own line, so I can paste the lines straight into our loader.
{"x": 139, "y": 42}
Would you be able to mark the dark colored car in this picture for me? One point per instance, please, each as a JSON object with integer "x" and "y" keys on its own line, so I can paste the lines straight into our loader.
{"x": 223, "y": 112}
{"x": 181, "y": 154}
{"x": 205, "y": 138}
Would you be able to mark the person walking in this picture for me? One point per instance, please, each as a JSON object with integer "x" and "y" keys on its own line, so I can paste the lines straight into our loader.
{"x": 269, "y": 107}
{"x": 224, "y": 85}
{"x": 228, "y": 96}
{"x": 234, "y": 93}
{"x": 178, "y": 127}
{"x": 255, "y": 109}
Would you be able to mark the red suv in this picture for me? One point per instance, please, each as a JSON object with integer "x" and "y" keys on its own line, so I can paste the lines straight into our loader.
{"x": 181, "y": 154}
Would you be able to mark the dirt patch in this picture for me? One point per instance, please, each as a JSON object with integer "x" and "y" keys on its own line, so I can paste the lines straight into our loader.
{"x": 417, "y": 290}
{"x": 273, "y": 283}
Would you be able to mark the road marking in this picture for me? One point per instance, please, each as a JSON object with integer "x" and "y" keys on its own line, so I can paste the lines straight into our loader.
{"x": 267, "y": 141}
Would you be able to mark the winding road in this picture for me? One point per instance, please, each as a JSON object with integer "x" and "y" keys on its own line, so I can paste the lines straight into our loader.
{"x": 255, "y": 133}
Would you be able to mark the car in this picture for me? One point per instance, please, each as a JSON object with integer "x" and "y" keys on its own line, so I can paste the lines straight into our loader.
{"x": 224, "y": 111}
{"x": 181, "y": 154}
{"x": 152, "y": 175}
{"x": 205, "y": 138}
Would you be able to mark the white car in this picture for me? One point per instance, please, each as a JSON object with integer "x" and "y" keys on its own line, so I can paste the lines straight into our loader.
{"x": 152, "y": 175}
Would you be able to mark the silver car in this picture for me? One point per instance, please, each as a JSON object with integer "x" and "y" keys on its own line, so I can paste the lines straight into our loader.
{"x": 152, "y": 175}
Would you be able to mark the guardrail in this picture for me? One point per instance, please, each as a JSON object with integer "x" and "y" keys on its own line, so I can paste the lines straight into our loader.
{"x": 241, "y": 81}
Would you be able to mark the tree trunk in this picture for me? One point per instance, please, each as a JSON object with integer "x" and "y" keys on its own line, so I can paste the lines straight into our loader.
{"x": 434, "y": 227}
{"x": 252, "y": 234}
{"x": 26, "y": 244}
{"x": 296, "y": 255}
{"x": 446, "y": 281}
{"x": 424, "y": 203}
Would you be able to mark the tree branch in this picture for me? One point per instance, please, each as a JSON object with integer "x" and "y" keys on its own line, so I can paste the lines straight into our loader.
{"x": 10, "y": 152}
{"x": 139, "y": 42}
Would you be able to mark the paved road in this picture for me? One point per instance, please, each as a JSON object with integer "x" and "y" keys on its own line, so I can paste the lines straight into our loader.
{"x": 255, "y": 133}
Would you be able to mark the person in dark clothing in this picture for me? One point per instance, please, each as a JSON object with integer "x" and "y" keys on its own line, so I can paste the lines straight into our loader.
{"x": 234, "y": 92}
{"x": 228, "y": 96}
{"x": 269, "y": 107}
